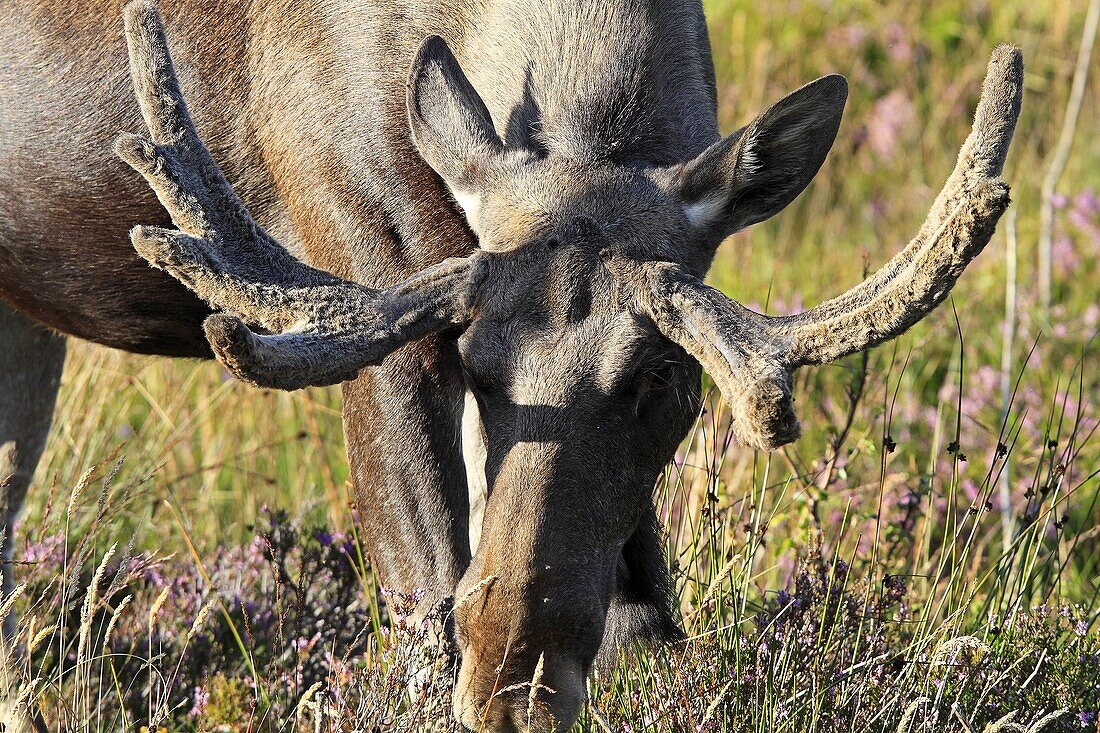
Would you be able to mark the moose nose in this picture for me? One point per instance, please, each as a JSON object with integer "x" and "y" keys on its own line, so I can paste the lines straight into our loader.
{"x": 550, "y": 701}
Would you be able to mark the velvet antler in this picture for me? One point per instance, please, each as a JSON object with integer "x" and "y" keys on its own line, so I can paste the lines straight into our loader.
{"x": 751, "y": 356}
{"x": 320, "y": 329}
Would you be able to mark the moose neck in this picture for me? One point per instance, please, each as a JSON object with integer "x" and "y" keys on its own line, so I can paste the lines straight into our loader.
{"x": 624, "y": 82}
{"x": 630, "y": 81}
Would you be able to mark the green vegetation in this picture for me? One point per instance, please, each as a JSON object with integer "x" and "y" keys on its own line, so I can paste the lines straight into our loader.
{"x": 923, "y": 559}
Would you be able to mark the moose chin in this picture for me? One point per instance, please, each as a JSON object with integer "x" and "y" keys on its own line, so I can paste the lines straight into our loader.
{"x": 491, "y": 223}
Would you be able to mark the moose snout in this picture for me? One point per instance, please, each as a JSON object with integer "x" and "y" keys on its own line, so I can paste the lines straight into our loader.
{"x": 526, "y": 647}
{"x": 503, "y": 699}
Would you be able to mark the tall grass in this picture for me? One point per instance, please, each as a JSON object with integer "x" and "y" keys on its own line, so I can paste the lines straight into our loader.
{"x": 875, "y": 576}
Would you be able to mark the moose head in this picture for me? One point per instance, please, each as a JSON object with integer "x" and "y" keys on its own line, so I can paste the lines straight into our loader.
{"x": 582, "y": 322}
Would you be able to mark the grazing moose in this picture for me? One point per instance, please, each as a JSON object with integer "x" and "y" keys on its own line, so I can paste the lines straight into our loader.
{"x": 547, "y": 184}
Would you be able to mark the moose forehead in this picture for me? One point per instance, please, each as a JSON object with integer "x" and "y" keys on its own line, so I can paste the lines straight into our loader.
{"x": 550, "y": 202}
{"x": 556, "y": 317}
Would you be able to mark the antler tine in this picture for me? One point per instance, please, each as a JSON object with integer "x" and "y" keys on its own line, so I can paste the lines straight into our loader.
{"x": 154, "y": 77}
{"x": 735, "y": 345}
{"x": 220, "y": 252}
{"x": 959, "y": 225}
{"x": 983, "y": 154}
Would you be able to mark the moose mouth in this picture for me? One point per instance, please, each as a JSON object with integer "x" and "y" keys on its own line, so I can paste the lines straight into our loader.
{"x": 537, "y": 676}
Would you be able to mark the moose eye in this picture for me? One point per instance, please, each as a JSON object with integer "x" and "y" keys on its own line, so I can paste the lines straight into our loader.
{"x": 478, "y": 382}
{"x": 648, "y": 382}
{"x": 660, "y": 378}
{"x": 482, "y": 378}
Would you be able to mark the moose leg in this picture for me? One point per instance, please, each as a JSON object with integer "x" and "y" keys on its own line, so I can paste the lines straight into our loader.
{"x": 31, "y": 361}
{"x": 30, "y": 374}
{"x": 402, "y": 421}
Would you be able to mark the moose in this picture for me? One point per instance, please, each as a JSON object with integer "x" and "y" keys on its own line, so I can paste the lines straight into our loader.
{"x": 546, "y": 185}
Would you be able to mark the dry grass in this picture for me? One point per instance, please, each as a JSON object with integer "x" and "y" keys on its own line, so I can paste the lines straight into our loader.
{"x": 869, "y": 578}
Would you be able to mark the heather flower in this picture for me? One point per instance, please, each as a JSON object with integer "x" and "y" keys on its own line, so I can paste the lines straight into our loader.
{"x": 853, "y": 35}
{"x": 891, "y": 115}
{"x": 200, "y": 698}
{"x": 784, "y": 308}
{"x": 899, "y": 43}
{"x": 1064, "y": 254}
{"x": 1088, "y": 201}
{"x": 49, "y": 550}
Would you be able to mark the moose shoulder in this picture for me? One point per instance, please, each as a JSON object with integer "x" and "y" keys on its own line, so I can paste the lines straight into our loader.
{"x": 490, "y": 222}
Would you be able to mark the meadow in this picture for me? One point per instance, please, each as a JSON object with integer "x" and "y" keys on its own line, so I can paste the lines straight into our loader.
{"x": 923, "y": 559}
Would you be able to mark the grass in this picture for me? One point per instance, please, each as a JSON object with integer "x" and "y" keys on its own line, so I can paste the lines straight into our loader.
{"x": 923, "y": 559}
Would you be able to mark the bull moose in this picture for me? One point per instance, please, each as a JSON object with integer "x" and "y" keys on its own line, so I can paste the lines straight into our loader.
{"x": 546, "y": 183}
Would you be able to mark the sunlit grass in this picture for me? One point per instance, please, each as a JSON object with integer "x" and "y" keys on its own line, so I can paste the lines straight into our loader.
{"x": 825, "y": 587}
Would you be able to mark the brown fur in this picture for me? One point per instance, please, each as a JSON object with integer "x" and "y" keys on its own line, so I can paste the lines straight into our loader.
{"x": 580, "y": 143}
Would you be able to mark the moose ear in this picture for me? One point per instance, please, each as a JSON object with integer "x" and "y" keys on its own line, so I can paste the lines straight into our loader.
{"x": 450, "y": 124}
{"x": 755, "y": 172}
